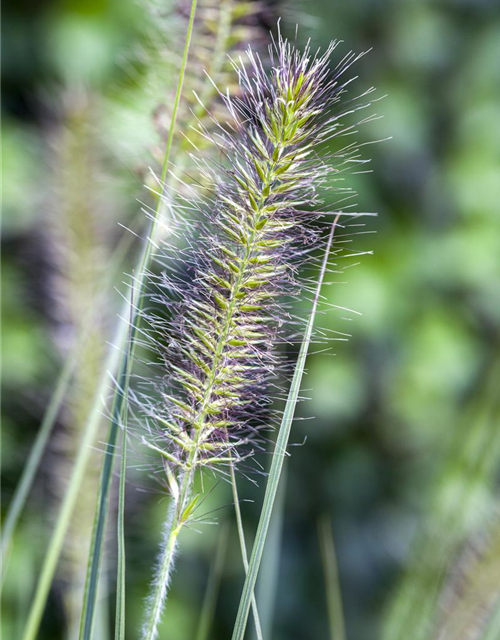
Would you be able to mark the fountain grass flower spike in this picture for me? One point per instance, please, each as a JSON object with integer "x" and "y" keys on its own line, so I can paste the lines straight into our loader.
{"x": 259, "y": 227}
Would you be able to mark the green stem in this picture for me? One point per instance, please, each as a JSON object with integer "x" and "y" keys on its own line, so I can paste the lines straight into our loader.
{"x": 278, "y": 460}
{"x": 35, "y": 456}
{"x": 120, "y": 534}
{"x": 267, "y": 586}
{"x": 215, "y": 64}
{"x": 213, "y": 585}
{"x": 243, "y": 547}
{"x": 70, "y": 499}
{"x": 123, "y": 381}
{"x": 32, "y": 464}
{"x": 173, "y": 528}
{"x": 332, "y": 583}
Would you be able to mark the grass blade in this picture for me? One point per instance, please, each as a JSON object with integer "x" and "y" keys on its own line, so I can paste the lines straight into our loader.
{"x": 243, "y": 547}
{"x": 267, "y": 585}
{"x": 120, "y": 533}
{"x": 35, "y": 456}
{"x": 70, "y": 498}
{"x": 278, "y": 458}
{"x": 123, "y": 381}
{"x": 31, "y": 467}
{"x": 332, "y": 584}
{"x": 91, "y": 586}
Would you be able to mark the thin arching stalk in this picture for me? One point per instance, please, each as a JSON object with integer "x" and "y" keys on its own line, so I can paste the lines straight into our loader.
{"x": 331, "y": 574}
{"x": 268, "y": 582}
{"x": 33, "y": 462}
{"x": 243, "y": 546}
{"x": 35, "y": 457}
{"x": 120, "y": 534}
{"x": 116, "y": 356}
{"x": 121, "y": 389}
{"x": 70, "y": 498}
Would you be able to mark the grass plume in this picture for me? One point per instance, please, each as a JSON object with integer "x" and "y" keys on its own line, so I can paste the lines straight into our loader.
{"x": 228, "y": 313}
{"x": 79, "y": 238}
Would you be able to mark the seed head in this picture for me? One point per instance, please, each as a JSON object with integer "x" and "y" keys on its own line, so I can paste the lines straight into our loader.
{"x": 253, "y": 235}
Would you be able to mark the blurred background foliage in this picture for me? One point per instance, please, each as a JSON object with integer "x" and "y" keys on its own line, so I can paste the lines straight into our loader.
{"x": 403, "y": 450}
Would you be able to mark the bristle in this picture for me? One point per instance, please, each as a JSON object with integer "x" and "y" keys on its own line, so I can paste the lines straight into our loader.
{"x": 221, "y": 29}
{"x": 258, "y": 231}
{"x": 258, "y": 228}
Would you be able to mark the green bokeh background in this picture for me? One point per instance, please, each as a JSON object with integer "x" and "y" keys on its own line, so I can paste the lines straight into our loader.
{"x": 387, "y": 403}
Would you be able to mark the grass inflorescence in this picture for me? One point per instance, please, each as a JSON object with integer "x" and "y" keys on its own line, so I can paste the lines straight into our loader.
{"x": 225, "y": 317}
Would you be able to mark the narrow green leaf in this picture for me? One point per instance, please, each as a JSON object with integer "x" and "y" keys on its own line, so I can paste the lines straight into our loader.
{"x": 267, "y": 584}
{"x": 36, "y": 453}
{"x": 243, "y": 547}
{"x": 123, "y": 382}
{"x": 120, "y": 534}
{"x": 278, "y": 458}
{"x": 33, "y": 462}
{"x": 71, "y": 496}
{"x": 332, "y": 584}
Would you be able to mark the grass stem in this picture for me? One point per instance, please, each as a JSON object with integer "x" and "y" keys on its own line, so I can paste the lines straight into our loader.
{"x": 63, "y": 382}
{"x": 123, "y": 382}
{"x": 243, "y": 547}
{"x": 278, "y": 458}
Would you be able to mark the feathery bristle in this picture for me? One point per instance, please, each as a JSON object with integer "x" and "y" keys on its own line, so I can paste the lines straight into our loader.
{"x": 220, "y": 29}
{"x": 226, "y": 317}
{"x": 256, "y": 233}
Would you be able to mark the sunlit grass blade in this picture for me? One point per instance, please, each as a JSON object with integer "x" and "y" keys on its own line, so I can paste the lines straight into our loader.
{"x": 120, "y": 528}
{"x": 243, "y": 547}
{"x": 58, "y": 534}
{"x": 97, "y": 540}
{"x": 120, "y": 534}
{"x": 332, "y": 584}
{"x": 267, "y": 584}
{"x": 278, "y": 457}
{"x": 33, "y": 462}
{"x": 213, "y": 585}
{"x": 121, "y": 389}
{"x": 39, "y": 446}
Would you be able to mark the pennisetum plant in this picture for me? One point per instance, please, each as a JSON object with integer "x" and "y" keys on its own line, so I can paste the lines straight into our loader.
{"x": 469, "y": 600}
{"x": 218, "y": 326}
{"x": 460, "y": 502}
{"x": 77, "y": 239}
{"x": 221, "y": 31}
{"x": 222, "y": 322}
